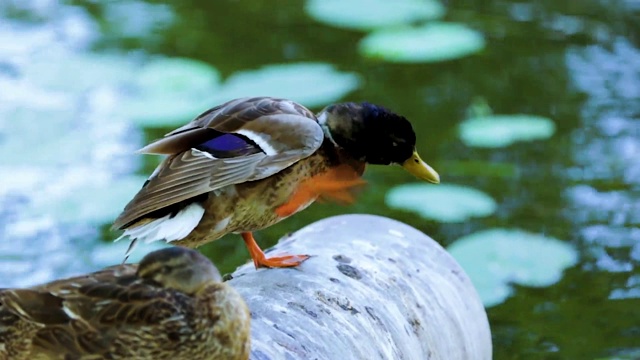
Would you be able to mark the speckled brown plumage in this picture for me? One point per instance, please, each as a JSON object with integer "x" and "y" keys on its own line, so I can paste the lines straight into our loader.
{"x": 172, "y": 306}
{"x": 253, "y": 203}
{"x": 249, "y": 163}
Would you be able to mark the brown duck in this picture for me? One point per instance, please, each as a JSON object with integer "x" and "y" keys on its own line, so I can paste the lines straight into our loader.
{"x": 172, "y": 305}
{"x": 250, "y": 163}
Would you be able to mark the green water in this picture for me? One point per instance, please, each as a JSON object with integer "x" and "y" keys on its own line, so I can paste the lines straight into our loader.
{"x": 576, "y": 63}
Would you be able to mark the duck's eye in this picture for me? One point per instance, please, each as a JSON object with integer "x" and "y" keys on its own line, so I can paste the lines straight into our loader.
{"x": 165, "y": 269}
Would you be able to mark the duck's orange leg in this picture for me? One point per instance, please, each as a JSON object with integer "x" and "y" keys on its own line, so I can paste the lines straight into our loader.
{"x": 336, "y": 184}
{"x": 260, "y": 260}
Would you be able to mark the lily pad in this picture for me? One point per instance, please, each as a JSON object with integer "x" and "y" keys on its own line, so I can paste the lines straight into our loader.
{"x": 445, "y": 203}
{"x": 371, "y": 14}
{"x": 311, "y": 84}
{"x": 494, "y": 258}
{"x": 494, "y": 131}
{"x": 171, "y": 91}
{"x": 429, "y": 43}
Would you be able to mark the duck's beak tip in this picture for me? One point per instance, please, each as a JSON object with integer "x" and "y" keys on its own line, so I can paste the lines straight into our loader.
{"x": 435, "y": 179}
{"x": 421, "y": 169}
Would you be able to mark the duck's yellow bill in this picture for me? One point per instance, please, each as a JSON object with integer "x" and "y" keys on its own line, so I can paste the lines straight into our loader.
{"x": 421, "y": 169}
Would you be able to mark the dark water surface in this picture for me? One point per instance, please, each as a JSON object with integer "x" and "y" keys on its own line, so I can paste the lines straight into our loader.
{"x": 576, "y": 62}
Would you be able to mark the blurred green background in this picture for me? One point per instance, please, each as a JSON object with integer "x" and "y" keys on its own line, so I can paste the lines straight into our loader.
{"x": 527, "y": 109}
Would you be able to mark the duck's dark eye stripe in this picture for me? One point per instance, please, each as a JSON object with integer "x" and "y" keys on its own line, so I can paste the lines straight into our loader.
{"x": 229, "y": 145}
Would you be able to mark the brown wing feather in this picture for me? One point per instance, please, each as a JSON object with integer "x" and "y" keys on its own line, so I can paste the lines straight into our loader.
{"x": 34, "y": 306}
{"x": 192, "y": 172}
{"x": 186, "y": 175}
{"x": 76, "y": 316}
{"x": 44, "y": 303}
{"x": 101, "y": 310}
{"x": 236, "y": 114}
{"x": 108, "y": 274}
{"x": 229, "y": 117}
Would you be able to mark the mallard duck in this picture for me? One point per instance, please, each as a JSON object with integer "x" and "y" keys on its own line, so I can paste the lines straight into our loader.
{"x": 172, "y": 305}
{"x": 252, "y": 162}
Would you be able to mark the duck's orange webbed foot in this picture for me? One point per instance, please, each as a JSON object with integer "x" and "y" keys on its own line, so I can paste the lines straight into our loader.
{"x": 337, "y": 184}
{"x": 260, "y": 260}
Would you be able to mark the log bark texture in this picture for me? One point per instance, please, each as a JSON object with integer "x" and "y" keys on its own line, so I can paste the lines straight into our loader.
{"x": 374, "y": 288}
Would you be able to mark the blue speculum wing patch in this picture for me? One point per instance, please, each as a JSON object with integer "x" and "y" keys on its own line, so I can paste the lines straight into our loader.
{"x": 229, "y": 145}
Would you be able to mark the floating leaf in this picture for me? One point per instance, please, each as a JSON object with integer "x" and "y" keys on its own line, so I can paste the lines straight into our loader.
{"x": 371, "y": 14}
{"x": 171, "y": 91}
{"x": 496, "y": 131}
{"x": 495, "y": 257}
{"x": 429, "y": 43}
{"x": 446, "y": 203}
{"x": 311, "y": 84}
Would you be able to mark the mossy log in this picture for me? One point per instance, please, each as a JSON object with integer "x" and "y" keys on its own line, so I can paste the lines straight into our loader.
{"x": 374, "y": 288}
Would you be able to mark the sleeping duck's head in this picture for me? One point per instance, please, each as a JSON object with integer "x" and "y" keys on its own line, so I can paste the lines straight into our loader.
{"x": 178, "y": 268}
{"x": 375, "y": 135}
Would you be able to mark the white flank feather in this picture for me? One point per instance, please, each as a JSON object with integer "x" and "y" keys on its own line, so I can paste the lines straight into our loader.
{"x": 166, "y": 228}
{"x": 259, "y": 140}
{"x": 322, "y": 118}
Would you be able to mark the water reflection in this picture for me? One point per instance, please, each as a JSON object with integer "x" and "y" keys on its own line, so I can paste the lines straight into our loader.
{"x": 574, "y": 62}
{"x": 605, "y": 198}
{"x": 63, "y": 148}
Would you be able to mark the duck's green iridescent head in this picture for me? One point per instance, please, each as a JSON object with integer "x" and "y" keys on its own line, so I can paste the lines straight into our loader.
{"x": 377, "y": 136}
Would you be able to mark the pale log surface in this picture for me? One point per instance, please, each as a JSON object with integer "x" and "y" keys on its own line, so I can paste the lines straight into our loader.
{"x": 375, "y": 288}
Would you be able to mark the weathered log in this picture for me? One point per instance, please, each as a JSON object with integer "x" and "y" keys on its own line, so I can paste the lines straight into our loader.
{"x": 375, "y": 288}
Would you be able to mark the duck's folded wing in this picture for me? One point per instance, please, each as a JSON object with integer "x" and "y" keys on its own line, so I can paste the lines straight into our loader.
{"x": 78, "y": 318}
{"x": 45, "y": 304}
{"x": 242, "y": 140}
{"x": 33, "y": 306}
{"x": 245, "y": 115}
